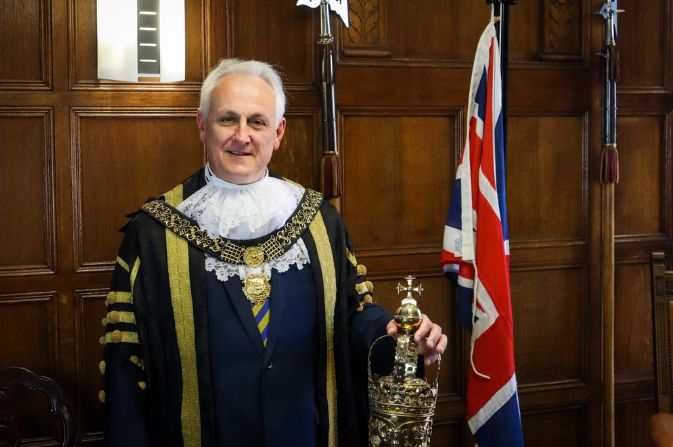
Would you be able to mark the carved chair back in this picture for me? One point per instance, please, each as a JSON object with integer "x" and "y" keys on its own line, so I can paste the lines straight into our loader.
{"x": 662, "y": 309}
{"x": 14, "y": 376}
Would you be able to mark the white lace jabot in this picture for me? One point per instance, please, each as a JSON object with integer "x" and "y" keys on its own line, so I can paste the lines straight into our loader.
{"x": 244, "y": 212}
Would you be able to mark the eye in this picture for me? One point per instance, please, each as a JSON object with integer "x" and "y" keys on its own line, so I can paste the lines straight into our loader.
{"x": 226, "y": 119}
{"x": 257, "y": 123}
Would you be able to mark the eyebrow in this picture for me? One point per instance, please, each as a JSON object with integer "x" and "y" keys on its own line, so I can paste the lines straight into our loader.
{"x": 256, "y": 115}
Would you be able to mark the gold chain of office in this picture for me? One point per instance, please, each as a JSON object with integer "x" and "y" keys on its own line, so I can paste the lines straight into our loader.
{"x": 226, "y": 250}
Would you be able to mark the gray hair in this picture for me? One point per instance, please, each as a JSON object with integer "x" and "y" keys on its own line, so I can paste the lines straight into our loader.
{"x": 258, "y": 69}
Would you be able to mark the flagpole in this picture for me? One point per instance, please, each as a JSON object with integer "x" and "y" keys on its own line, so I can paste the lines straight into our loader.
{"x": 501, "y": 12}
{"x": 609, "y": 177}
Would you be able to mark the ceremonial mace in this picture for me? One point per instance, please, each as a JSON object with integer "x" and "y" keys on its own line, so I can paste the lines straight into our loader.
{"x": 330, "y": 170}
{"x": 609, "y": 177}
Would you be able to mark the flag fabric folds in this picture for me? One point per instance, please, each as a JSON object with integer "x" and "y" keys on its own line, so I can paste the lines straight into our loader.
{"x": 475, "y": 254}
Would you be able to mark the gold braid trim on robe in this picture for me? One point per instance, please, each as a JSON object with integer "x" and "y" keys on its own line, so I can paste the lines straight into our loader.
{"x": 325, "y": 256}
{"x": 177, "y": 251}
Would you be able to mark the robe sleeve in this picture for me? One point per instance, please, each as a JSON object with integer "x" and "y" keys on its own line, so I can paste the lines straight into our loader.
{"x": 124, "y": 382}
{"x": 368, "y": 320}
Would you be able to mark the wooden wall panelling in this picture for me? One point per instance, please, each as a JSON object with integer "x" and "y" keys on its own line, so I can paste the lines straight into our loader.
{"x": 526, "y": 31}
{"x": 551, "y": 311}
{"x": 397, "y": 190}
{"x": 82, "y": 46}
{"x": 447, "y": 433}
{"x": 631, "y": 422}
{"x": 638, "y": 196}
{"x": 120, "y": 158}
{"x": 367, "y": 34}
{"x": 562, "y": 30}
{"x": 26, "y": 179}
{"x": 299, "y": 155}
{"x": 389, "y": 30}
{"x": 28, "y": 331}
{"x": 279, "y": 33}
{"x": 25, "y": 49}
{"x": 90, "y": 311}
{"x": 644, "y": 45}
{"x": 561, "y": 427}
{"x": 545, "y": 151}
{"x": 634, "y": 348}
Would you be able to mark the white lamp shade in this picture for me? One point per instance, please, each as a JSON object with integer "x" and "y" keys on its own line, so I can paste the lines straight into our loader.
{"x": 117, "y": 22}
{"x": 172, "y": 40}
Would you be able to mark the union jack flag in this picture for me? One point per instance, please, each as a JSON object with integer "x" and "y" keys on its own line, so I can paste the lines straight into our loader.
{"x": 476, "y": 254}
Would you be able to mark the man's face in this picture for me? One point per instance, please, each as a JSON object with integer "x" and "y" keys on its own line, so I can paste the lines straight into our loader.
{"x": 240, "y": 130}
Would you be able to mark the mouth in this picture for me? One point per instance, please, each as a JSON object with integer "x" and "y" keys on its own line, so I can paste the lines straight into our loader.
{"x": 238, "y": 154}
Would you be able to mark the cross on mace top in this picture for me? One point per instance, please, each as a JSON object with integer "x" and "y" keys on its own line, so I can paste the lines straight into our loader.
{"x": 409, "y": 288}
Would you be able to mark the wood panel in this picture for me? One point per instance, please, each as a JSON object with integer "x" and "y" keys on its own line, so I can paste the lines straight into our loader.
{"x": 562, "y": 428}
{"x": 549, "y": 308}
{"x": 634, "y": 348}
{"x": 28, "y": 333}
{"x": 387, "y": 184}
{"x": 626, "y": 414}
{"x": 296, "y": 55}
{"x": 562, "y": 30}
{"x": 641, "y": 155}
{"x": 545, "y": 151}
{"x": 645, "y": 48}
{"x": 25, "y": 50}
{"x": 122, "y": 157}
{"x": 299, "y": 155}
{"x": 26, "y": 179}
{"x": 83, "y": 64}
{"x": 525, "y": 41}
{"x": 444, "y": 433}
{"x": 90, "y": 312}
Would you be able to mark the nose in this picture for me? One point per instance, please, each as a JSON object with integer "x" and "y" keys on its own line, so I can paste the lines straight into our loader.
{"x": 242, "y": 133}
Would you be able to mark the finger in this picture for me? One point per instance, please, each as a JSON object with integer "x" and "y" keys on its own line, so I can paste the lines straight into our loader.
{"x": 433, "y": 337}
{"x": 391, "y": 328}
{"x": 441, "y": 345}
{"x": 431, "y": 358}
{"x": 424, "y": 329}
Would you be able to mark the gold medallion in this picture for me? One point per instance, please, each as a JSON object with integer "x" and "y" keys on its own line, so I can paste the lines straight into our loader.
{"x": 253, "y": 256}
{"x": 256, "y": 288}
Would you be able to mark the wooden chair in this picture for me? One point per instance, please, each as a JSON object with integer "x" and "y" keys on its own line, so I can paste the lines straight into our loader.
{"x": 661, "y": 424}
{"x": 31, "y": 381}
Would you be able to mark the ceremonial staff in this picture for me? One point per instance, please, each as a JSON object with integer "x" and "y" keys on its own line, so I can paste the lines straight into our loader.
{"x": 331, "y": 174}
{"x": 609, "y": 176}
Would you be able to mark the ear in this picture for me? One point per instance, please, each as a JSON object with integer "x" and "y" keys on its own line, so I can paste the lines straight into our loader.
{"x": 201, "y": 123}
{"x": 280, "y": 131}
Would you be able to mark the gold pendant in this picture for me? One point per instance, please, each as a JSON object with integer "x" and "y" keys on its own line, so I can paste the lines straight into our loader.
{"x": 256, "y": 288}
{"x": 255, "y": 285}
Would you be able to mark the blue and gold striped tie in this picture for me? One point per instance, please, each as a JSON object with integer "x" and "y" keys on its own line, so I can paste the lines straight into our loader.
{"x": 262, "y": 313}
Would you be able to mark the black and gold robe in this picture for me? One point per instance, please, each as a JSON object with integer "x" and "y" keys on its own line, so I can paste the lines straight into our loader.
{"x": 157, "y": 379}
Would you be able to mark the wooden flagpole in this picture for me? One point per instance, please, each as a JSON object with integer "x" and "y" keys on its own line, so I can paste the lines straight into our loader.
{"x": 609, "y": 177}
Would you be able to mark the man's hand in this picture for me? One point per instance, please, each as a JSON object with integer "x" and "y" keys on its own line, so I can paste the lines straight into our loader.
{"x": 429, "y": 338}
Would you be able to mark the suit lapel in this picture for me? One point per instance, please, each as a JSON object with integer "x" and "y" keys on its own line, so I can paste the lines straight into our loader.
{"x": 244, "y": 311}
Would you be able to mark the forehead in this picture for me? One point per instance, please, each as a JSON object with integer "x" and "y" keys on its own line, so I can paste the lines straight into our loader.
{"x": 243, "y": 93}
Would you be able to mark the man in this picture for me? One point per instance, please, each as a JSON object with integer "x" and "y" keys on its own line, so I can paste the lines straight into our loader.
{"x": 238, "y": 313}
